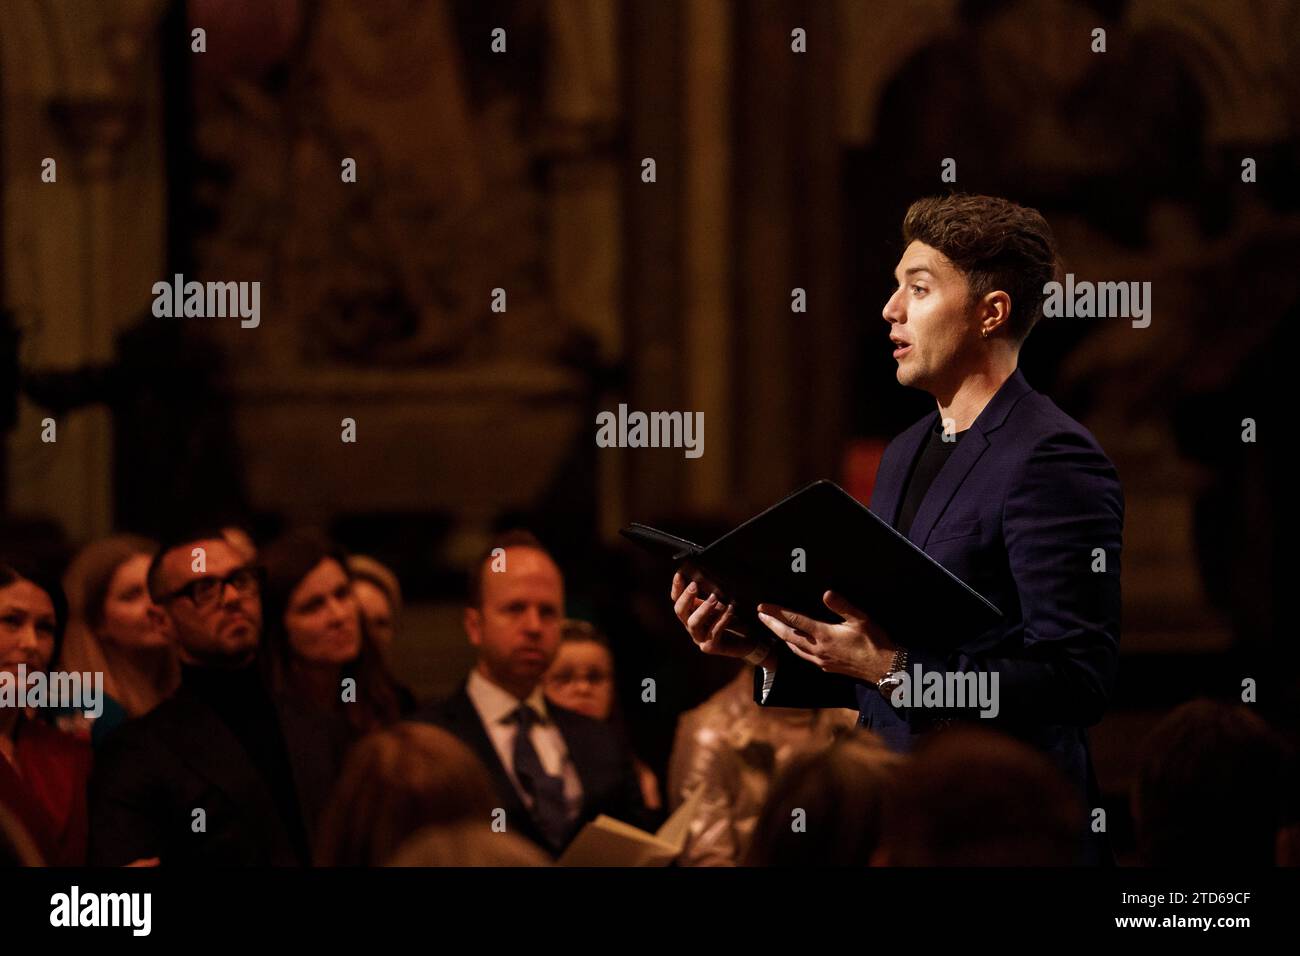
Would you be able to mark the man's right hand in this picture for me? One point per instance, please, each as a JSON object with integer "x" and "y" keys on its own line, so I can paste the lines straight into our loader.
{"x": 710, "y": 623}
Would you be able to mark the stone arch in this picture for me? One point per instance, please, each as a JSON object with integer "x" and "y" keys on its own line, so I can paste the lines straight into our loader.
{"x": 1240, "y": 55}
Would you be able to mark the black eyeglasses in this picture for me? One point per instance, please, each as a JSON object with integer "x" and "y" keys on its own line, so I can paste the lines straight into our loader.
{"x": 246, "y": 580}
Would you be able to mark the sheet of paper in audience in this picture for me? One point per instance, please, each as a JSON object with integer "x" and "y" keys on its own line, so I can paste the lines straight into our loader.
{"x": 609, "y": 842}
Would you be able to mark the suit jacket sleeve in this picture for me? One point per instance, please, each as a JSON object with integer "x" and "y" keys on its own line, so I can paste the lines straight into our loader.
{"x": 1065, "y": 505}
{"x": 125, "y": 825}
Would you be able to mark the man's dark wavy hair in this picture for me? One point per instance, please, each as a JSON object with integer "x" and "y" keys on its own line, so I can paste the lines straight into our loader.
{"x": 996, "y": 244}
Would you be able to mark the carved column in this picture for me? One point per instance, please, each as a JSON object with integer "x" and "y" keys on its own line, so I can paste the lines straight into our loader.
{"x": 80, "y": 87}
{"x": 585, "y": 203}
{"x": 653, "y": 285}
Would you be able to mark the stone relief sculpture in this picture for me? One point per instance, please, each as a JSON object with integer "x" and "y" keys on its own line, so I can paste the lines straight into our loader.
{"x": 396, "y": 268}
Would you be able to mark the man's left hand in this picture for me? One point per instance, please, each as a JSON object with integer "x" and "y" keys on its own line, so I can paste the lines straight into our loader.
{"x": 859, "y": 647}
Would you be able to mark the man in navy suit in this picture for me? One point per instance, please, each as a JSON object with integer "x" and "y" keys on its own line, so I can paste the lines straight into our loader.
{"x": 553, "y": 769}
{"x": 998, "y": 485}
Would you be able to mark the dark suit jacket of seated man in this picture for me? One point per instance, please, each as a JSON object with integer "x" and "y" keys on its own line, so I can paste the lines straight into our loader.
{"x": 224, "y": 772}
{"x": 603, "y": 764}
{"x": 152, "y": 774}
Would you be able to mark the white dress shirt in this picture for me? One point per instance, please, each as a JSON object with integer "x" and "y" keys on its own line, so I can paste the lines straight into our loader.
{"x": 495, "y": 706}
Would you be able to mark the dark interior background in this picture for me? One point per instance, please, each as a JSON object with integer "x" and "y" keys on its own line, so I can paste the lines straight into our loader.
{"x": 522, "y": 171}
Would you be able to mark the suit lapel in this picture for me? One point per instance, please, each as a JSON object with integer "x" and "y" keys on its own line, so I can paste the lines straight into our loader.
{"x": 895, "y": 466}
{"x": 464, "y": 721}
{"x": 945, "y": 485}
{"x": 965, "y": 456}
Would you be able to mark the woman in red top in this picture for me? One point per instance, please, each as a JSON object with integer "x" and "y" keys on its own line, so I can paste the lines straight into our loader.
{"x": 43, "y": 772}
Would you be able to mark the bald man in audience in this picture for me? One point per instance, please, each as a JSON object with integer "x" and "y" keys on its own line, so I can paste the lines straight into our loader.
{"x": 553, "y": 769}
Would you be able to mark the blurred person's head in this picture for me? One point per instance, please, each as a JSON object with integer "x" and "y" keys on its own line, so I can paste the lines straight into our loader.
{"x": 1216, "y": 787}
{"x": 315, "y": 632}
{"x": 208, "y": 598}
{"x": 241, "y": 541}
{"x": 972, "y": 797}
{"x": 467, "y": 844}
{"x": 840, "y": 792}
{"x": 380, "y": 595}
{"x": 114, "y": 626}
{"x": 312, "y": 614}
{"x": 516, "y": 604}
{"x": 33, "y": 615}
{"x": 108, "y": 590}
{"x": 395, "y": 782}
{"x": 970, "y": 288}
{"x": 581, "y": 678}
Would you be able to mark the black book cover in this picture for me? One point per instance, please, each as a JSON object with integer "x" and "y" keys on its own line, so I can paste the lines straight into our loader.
{"x": 821, "y": 539}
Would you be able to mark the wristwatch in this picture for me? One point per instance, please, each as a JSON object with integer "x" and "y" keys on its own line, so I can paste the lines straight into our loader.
{"x": 892, "y": 680}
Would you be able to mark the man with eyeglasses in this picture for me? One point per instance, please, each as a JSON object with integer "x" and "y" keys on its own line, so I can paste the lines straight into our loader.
{"x": 222, "y": 772}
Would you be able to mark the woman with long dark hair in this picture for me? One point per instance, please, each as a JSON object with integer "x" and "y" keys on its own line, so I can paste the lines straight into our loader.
{"x": 43, "y": 771}
{"x": 316, "y": 647}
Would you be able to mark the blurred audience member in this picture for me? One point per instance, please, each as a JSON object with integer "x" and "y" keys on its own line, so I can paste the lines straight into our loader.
{"x": 827, "y": 808}
{"x": 467, "y": 844}
{"x": 733, "y": 748}
{"x": 972, "y": 797}
{"x": 395, "y": 782}
{"x": 43, "y": 771}
{"x": 111, "y": 631}
{"x": 221, "y": 772}
{"x": 317, "y": 648}
{"x": 553, "y": 769}
{"x": 582, "y": 680}
{"x": 380, "y": 595}
{"x": 1216, "y": 787}
{"x": 241, "y": 541}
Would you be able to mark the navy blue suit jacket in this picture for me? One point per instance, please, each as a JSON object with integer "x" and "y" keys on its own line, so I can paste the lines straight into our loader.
{"x": 1018, "y": 512}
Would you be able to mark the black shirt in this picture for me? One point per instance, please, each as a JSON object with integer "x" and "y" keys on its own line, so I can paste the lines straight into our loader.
{"x": 934, "y": 453}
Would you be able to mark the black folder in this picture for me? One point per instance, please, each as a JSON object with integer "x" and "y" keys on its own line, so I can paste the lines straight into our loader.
{"x": 846, "y": 549}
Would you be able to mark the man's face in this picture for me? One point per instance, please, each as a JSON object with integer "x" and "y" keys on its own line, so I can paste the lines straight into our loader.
{"x": 516, "y": 630}
{"x": 935, "y": 330}
{"x": 223, "y": 630}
